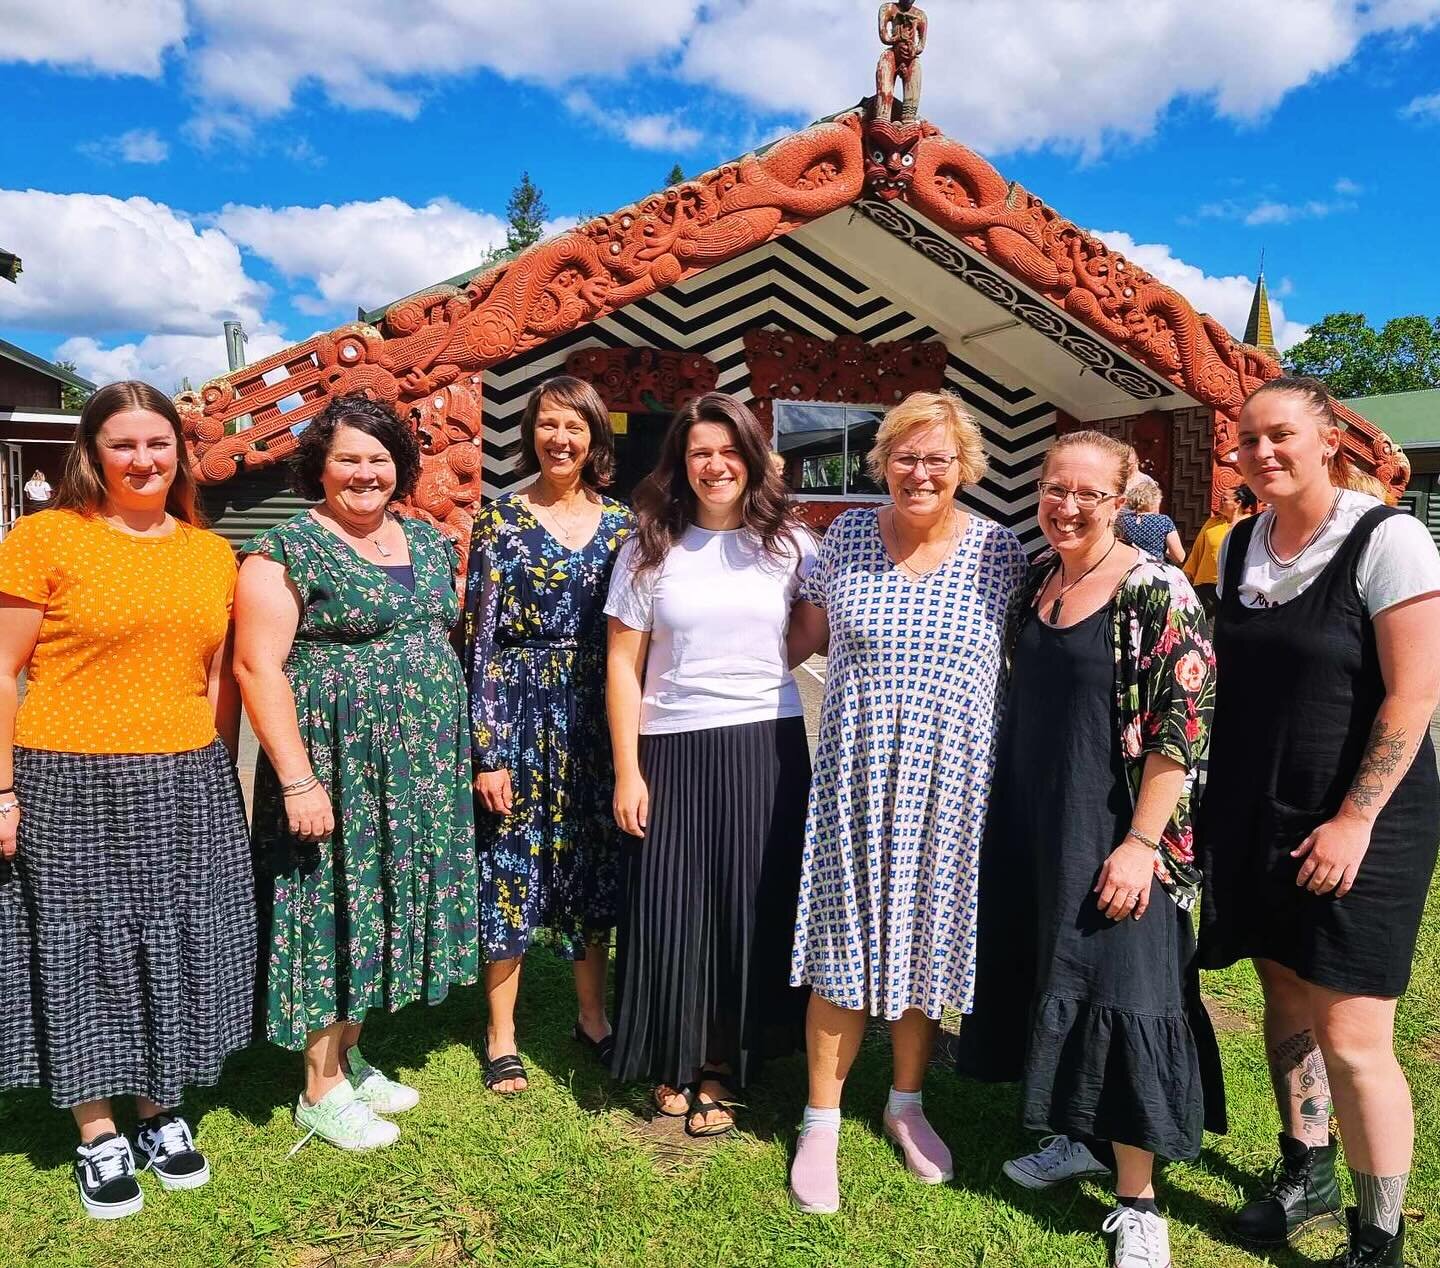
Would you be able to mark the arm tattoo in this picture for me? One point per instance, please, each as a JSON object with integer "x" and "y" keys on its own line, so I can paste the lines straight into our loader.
{"x": 1386, "y": 748}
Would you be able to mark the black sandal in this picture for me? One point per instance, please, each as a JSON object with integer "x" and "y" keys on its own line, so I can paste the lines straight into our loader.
{"x": 702, "y": 1105}
{"x": 603, "y": 1049}
{"x": 687, "y": 1090}
{"x": 498, "y": 1069}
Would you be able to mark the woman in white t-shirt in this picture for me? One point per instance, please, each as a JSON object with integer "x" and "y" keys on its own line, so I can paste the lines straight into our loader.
{"x": 1317, "y": 831}
{"x": 712, "y": 768}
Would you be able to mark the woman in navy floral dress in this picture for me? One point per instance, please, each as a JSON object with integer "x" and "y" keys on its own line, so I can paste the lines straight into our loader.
{"x": 535, "y": 656}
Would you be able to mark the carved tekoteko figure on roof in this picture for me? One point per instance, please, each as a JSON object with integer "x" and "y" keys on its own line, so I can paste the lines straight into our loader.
{"x": 903, "y": 28}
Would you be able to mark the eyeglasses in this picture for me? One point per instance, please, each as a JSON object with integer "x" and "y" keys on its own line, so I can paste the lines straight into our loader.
{"x": 908, "y": 462}
{"x": 1085, "y": 499}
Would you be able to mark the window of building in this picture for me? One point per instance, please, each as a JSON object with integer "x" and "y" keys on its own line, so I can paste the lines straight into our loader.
{"x": 824, "y": 446}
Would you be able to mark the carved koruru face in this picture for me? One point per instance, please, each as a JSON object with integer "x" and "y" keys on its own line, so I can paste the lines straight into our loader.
{"x": 890, "y": 157}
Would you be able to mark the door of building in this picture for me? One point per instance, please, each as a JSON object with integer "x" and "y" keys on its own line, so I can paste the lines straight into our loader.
{"x": 14, "y": 484}
{"x": 637, "y": 447}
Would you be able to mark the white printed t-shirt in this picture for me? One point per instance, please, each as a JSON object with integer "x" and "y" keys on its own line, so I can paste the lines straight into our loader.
{"x": 1399, "y": 562}
{"x": 717, "y": 609}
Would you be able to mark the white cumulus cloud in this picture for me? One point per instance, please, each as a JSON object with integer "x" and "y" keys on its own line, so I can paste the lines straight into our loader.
{"x": 662, "y": 131}
{"x": 97, "y": 265}
{"x": 128, "y": 37}
{"x": 167, "y": 361}
{"x": 1227, "y": 299}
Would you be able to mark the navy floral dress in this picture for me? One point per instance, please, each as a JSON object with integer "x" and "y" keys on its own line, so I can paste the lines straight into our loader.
{"x": 535, "y": 659}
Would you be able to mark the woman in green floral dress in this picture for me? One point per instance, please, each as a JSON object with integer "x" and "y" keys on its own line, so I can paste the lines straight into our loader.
{"x": 363, "y": 822}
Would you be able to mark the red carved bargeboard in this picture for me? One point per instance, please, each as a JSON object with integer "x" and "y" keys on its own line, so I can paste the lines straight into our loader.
{"x": 788, "y": 366}
{"x": 443, "y": 338}
{"x": 644, "y": 380}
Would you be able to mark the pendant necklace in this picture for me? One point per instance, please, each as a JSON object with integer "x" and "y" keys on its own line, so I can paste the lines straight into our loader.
{"x": 915, "y": 573}
{"x": 373, "y": 539}
{"x": 1064, "y": 589}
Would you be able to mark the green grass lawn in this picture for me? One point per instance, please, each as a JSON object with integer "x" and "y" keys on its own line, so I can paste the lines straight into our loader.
{"x": 572, "y": 1173}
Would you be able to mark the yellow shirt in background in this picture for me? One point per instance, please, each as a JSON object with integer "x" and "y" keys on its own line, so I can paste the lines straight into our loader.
{"x": 1203, "y": 564}
{"x": 131, "y": 625}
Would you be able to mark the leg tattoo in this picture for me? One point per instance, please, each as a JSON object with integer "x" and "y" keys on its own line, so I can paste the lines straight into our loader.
{"x": 1302, "y": 1088}
{"x": 1380, "y": 1199}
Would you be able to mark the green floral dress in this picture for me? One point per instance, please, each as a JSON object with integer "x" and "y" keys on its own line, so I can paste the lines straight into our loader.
{"x": 385, "y": 912}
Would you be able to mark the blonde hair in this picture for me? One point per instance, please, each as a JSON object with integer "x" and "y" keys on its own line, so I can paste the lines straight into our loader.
{"x": 1122, "y": 453}
{"x": 1317, "y": 399}
{"x": 1363, "y": 482}
{"x": 926, "y": 409}
{"x": 82, "y": 485}
{"x": 1142, "y": 494}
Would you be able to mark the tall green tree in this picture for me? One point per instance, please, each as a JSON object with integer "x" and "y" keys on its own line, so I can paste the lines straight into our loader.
{"x": 1355, "y": 359}
{"x": 526, "y": 212}
{"x": 677, "y": 174}
{"x": 71, "y": 397}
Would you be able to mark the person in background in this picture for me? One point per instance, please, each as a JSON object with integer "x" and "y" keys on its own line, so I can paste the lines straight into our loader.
{"x": 712, "y": 766}
{"x": 1141, "y": 524}
{"x": 127, "y": 914}
{"x": 1086, "y": 987}
{"x": 37, "y": 491}
{"x": 550, "y": 857}
{"x": 1203, "y": 559}
{"x": 1317, "y": 831}
{"x": 910, "y": 598}
{"x": 364, "y": 830}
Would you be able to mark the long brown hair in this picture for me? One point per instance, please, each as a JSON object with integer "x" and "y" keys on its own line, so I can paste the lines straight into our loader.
{"x": 82, "y": 485}
{"x": 665, "y": 503}
{"x": 1317, "y": 399}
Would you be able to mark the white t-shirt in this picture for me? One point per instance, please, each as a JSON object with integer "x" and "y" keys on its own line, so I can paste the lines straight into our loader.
{"x": 717, "y": 609}
{"x": 1399, "y": 561}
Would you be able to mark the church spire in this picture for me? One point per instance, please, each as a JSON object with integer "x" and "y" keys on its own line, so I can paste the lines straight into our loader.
{"x": 1258, "y": 331}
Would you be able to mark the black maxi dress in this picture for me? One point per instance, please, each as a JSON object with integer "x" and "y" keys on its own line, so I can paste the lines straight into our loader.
{"x": 1100, "y": 1020}
{"x": 1299, "y": 685}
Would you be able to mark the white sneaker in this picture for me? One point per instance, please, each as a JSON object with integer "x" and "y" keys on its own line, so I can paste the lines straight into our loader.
{"x": 344, "y": 1120}
{"x": 105, "y": 1178}
{"x": 167, "y": 1150}
{"x": 1142, "y": 1240}
{"x": 1058, "y": 1159}
{"x": 381, "y": 1093}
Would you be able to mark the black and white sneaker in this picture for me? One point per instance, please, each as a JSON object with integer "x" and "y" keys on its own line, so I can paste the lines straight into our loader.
{"x": 105, "y": 1176}
{"x": 167, "y": 1148}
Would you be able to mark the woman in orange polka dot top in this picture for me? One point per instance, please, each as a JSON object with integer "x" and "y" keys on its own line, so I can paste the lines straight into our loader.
{"x": 127, "y": 914}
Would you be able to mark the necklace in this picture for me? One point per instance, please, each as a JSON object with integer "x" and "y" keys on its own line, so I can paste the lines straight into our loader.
{"x": 1064, "y": 589}
{"x": 563, "y": 532}
{"x": 372, "y": 538}
{"x": 1309, "y": 541}
{"x": 916, "y": 573}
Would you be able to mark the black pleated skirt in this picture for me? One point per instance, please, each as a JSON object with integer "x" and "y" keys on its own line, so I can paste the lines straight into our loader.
{"x": 703, "y": 957}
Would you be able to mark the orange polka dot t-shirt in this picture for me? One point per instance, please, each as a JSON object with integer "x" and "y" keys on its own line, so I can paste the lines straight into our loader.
{"x": 131, "y": 625}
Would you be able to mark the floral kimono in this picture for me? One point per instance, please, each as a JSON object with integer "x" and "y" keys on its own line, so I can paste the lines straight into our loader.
{"x": 1164, "y": 691}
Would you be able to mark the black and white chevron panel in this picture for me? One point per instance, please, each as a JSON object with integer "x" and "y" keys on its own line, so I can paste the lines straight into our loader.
{"x": 788, "y": 285}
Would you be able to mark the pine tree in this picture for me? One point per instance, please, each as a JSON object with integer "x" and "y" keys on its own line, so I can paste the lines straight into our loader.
{"x": 677, "y": 174}
{"x": 71, "y": 397}
{"x": 526, "y": 212}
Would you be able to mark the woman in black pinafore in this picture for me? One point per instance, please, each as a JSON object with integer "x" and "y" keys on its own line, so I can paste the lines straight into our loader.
{"x": 1317, "y": 836}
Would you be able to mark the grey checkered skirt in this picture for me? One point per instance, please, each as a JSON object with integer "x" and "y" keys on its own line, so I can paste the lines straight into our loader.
{"x": 127, "y": 925}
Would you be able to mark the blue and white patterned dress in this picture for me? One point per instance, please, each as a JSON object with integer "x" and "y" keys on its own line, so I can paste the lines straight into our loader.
{"x": 886, "y": 918}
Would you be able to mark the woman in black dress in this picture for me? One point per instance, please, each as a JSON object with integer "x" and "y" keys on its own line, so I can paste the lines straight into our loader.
{"x": 1085, "y": 987}
{"x": 1319, "y": 823}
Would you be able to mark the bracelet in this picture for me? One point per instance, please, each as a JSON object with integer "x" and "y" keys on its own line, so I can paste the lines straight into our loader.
{"x": 9, "y": 807}
{"x": 300, "y": 786}
{"x": 302, "y": 782}
{"x": 3, "y": 791}
{"x": 1143, "y": 839}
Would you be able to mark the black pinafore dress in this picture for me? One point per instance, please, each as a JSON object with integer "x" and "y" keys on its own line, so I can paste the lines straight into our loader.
{"x": 1298, "y": 688}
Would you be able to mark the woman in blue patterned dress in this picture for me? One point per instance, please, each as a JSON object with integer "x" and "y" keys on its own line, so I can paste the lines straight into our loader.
{"x": 912, "y": 600}
{"x": 535, "y": 654}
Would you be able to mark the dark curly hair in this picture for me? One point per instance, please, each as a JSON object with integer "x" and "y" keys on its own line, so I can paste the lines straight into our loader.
{"x": 375, "y": 420}
{"x": 665, "y": 504}
{"x": 572, "y": 393}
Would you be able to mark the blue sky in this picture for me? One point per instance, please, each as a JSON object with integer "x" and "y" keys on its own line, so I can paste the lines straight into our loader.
{"x": 285, "y": 163}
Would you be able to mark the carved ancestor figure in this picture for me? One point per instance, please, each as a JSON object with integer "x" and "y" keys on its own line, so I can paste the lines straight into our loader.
{"x": 902, "y": 30}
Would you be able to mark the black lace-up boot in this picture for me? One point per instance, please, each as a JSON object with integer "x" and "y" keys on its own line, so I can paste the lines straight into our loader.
{"x": 1369, "y": 1246}
{"x": 1300, "y": 1193}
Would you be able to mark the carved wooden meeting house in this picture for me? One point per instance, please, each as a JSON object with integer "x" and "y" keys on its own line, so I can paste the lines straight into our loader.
{"x": 821, "y": 279}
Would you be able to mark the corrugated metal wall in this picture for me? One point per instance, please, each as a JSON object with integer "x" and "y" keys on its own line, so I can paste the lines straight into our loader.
{"x": 248, "y": 504}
